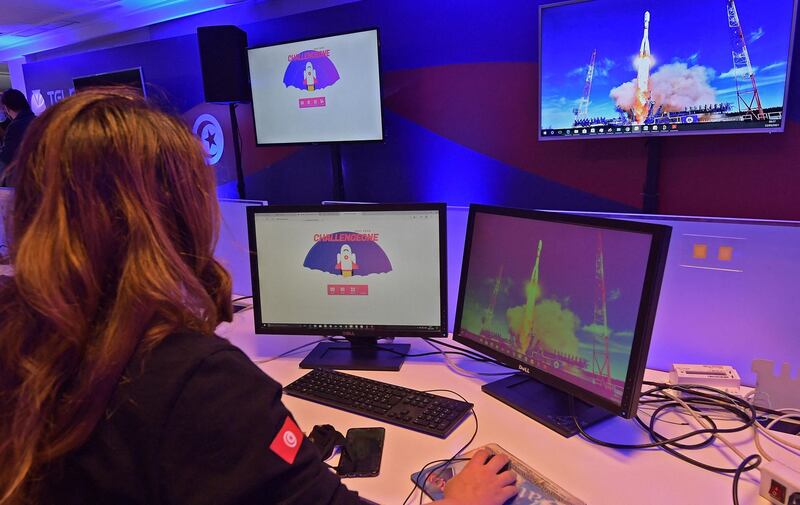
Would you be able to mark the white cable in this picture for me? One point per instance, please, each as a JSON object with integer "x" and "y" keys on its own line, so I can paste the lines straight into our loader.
{"x": 647, "y": 410}
{"x": 462, "y": 371}
{"x": 781, "y": 442}
{"x": 791, "y": 416}
{"x": 704, "y": 423}
{"x": 757, "y": 441}
{"x": 757, "y": 428}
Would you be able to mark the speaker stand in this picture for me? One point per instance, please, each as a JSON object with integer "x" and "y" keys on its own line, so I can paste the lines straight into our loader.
{"x": 650, "y": 190}
{"x": 338, "y": 173}
{"x": 237, "y": 151}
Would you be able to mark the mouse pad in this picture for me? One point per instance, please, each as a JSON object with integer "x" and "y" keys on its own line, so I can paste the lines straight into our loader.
{"x": 534, "y": 488}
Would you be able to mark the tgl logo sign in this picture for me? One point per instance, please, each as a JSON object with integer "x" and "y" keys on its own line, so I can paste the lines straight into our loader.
{"x": 38, "y": 103}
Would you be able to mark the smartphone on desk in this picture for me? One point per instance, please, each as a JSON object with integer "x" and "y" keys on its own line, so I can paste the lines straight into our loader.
{"x": 361, "y": 455}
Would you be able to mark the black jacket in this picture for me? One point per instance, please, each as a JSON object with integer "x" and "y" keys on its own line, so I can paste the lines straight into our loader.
{"x": 14, "y": 135}
{"x": 195, "y": 422}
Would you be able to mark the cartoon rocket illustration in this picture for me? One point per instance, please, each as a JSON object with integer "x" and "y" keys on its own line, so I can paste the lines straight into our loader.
{"x": 310, "y": 76}
{"x": 346, "y": 261}
{"x": 644, "y": 63}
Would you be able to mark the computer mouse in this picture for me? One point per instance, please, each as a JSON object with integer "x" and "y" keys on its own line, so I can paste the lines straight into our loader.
{"x": 504, "y": 468}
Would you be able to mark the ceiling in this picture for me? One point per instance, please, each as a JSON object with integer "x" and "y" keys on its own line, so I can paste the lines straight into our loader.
{"x": 30, "y": 26}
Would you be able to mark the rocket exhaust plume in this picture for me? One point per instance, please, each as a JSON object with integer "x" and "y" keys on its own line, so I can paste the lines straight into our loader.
{"x": 643, "y": 63}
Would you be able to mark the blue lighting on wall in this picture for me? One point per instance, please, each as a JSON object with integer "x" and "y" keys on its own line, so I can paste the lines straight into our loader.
{"x": 228, "y": 190}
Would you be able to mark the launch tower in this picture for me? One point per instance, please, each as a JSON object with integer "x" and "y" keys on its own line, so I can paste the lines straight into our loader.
{"x": 582, "y": 111}
{"x": 746, "y": 88}
{"x": 601, "y": 358}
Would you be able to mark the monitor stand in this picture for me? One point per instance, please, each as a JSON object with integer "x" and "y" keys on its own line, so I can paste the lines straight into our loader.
{"x": 544, "y": 404}
{"x": 359, "y": 353}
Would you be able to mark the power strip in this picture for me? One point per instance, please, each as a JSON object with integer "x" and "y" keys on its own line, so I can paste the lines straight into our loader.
{"x": 779, "y": 483}
{"x": 722, "y": 377}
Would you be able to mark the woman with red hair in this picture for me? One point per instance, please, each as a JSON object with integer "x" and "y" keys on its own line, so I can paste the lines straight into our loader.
{"x": 113, "y": 387}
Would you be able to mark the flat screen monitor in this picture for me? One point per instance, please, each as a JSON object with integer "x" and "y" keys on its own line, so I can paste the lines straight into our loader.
{"x": 569, "y": 301}
{"x": 317, "y": 90}
{"x": 131, "y": 77}
{"x": 623, "y": 68}
{"x": 363, "y": 272}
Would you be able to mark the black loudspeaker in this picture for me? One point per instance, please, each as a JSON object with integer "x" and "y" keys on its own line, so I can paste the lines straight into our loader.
{"x": 223, "y": 60}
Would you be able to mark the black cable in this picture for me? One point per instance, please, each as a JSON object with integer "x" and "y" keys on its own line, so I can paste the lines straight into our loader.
{"x": 290, "y": 351}
{"x": 422, "y": 488}
{"x": 667, "y": 441}
{"x": 241, "y": 298}
{"x": 743, "y": 467}
{"x": 416, "y": 484}
{"x": 431, "y": 353}
{"x": 458, "y": 352}
{"x": 472, "y": 354}
{"x": 457, "y": 454}
{"x": 454, "y": 457}
{"x": 695, "y": 397}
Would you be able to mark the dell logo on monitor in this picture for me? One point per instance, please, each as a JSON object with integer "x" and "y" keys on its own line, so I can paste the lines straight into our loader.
{"x": 524, "y": 368}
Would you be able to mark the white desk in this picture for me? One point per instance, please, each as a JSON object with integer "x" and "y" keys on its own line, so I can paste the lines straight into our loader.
{"x": 594, "y": 474}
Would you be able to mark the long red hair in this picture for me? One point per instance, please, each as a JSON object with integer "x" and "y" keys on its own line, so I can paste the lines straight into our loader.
{"x": 112, "y": 232}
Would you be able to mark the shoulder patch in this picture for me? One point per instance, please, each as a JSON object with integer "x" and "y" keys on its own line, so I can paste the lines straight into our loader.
{"x": 286, "y": 443}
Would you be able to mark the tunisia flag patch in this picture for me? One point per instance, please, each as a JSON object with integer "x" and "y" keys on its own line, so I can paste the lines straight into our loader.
{"x": 286, "y": 443}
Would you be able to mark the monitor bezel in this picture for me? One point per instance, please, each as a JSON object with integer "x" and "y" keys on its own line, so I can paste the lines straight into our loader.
{"x": 654, "y": 270}
{"x": 100, "y": 74}
{"x": 308, "y": 39}
{"x": 260, "y": 328}
{"x": 628, "y": 135}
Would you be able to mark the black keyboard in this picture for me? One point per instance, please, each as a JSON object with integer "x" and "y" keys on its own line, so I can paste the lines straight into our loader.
{"x": 407, "y": 408}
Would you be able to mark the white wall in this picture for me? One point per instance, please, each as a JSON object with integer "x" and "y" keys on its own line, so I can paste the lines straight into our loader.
{"x": 17, "y": 80}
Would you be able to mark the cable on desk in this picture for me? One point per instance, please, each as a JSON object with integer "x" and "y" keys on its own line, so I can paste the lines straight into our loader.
{"x": 290, "y": 351}
{"x": 241, "y": 298}
{"x": 459, "y": 352}
{"x": 787, "y": 415}
{"x": 438, "y": 351}
{"x": 416, "y": 484}
{"x": 467, "y": 352}
{"x": 741, "y": 469}
{"x": 463, "y": 371}
{"x": 767, "y": 432}
{"x": 695, "y": 399}
{"x": 770, "y": 417}
{"x": 699, "y": 396}
{"x": 455, "y": 456}
{"x": 243, "y": 309}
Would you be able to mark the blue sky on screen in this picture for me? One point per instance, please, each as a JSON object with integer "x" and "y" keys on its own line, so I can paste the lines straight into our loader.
{"x": 690, "y": 41}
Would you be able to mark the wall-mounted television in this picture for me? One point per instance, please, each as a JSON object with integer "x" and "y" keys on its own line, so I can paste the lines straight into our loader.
{"x": 317, "y": 90}
{"x": 622, "y": 68}
{"x": 131, "y": 77}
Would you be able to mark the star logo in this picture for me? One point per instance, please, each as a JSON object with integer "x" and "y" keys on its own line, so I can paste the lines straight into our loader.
{"x": 209, "y": 131}
{"x": 210, "y": 140}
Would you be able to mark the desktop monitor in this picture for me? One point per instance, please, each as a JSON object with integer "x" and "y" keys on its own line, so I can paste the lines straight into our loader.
{"x": 325, "y": 89}
{"x": 131, "y": 77}
{"x": 364, "y": 272}
{"x": 569, "y": 301}
{"x": 624, "y": 68}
